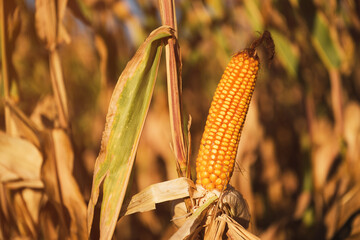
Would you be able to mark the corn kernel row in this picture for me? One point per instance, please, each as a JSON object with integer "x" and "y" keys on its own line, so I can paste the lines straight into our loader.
{"x": 216, "y": 159}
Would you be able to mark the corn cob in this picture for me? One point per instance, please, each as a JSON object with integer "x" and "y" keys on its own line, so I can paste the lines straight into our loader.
{"x": 216, "y": 157}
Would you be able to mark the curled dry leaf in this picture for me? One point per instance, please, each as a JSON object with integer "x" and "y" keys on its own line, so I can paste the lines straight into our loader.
{"x": 17, "y": 166}
{"x": 233, "y": 203}
{"x": 158, "y": 193}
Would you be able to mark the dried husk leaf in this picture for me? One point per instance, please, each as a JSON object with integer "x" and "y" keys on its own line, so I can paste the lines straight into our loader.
{"x": 233, "y": 203}
{"x": 191, "y": 224}
{"x": 158, "y": 193}
{"x": 236, "y": 231}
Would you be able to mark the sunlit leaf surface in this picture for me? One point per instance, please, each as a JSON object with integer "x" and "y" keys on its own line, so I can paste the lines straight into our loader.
{"x": 125, "y": 118}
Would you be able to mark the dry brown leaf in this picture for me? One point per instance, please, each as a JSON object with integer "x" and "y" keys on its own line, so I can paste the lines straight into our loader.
{"x": 236, "y": 231}
{"x": 49, "y": 223}
{"x": 61, "y": 186}
{"x": 48, "y": 20}
{"x": 14, "y": 164}
{"x": 158, "y": 193}
{"x": 190, "y": 227}
{"x": 45, "y": 21}
{"x": 340, "y": 218}
{"x": 215, "y": 230}
{"x": 25, "y": 128}
{"x": 44, "y": 115}
{"x": 272, "y": 232}
{"x": 25, "y": 223}
{"x": 326, "y": 147}
{"x": 302, "y": 204}
{"x": 352, "y": 137}
{"x": 58, "y": 86}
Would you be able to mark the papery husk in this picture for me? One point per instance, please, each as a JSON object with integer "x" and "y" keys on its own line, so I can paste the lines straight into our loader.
{"x": 211, "y": 215}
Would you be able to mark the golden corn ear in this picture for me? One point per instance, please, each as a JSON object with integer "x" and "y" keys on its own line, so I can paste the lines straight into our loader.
{"x": 216, "y": 158}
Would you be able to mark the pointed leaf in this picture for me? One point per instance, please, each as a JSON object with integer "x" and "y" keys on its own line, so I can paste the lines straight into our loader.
{"x": 124, "y": 121}
{"x": 325, "y": 43}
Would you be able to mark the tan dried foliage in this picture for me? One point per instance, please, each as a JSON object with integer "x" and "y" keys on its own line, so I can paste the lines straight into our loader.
{"x": 298, "y": 160}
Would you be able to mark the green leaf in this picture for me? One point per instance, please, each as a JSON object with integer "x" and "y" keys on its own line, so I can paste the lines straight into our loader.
{"x": 325, "y": 43}
{"x": 285, "y": 53}
{"x": 124, "y": 122}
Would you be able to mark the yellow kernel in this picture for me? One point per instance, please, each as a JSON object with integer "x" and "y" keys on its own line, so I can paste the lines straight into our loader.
{"x": 217, "y": 166}
{"x": 205, "y": 181}
{"x": 204, "y": 174}
{"x": 228, "y": 136}
{"x": 213, "y": 177}
{"x": 217, "y": 172}
{"x": 218, "y": 181}
{"x": 219, "y": 187}
{"x": 223, "y": 176}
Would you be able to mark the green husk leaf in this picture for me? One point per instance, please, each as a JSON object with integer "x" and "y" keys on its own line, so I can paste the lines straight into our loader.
{"x": 124, "y": 122}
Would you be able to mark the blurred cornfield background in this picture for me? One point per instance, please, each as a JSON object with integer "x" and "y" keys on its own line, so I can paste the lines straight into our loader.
{"x": 298, "y": 164}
